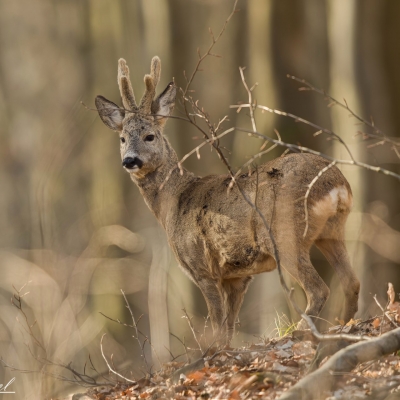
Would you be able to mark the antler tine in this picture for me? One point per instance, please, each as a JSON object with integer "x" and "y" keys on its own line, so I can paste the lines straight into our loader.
{"x": 156, "y": 70}
{"x": 151, "y": 82}
{"x": 125, "y": 86}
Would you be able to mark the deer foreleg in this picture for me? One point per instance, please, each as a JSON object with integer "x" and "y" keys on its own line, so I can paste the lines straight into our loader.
{"x": 213, "y": 294}
{"x": 235, "y": 290}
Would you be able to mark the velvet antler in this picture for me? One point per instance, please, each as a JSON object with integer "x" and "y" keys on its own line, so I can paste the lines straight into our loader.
{"x": 125, "y": 87}
{"x": 151, "y": 82}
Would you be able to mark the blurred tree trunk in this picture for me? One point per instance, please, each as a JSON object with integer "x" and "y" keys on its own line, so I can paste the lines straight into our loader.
{"x": 145, "y": 27}
{"x": 379, "y": 91}
{"x": 300, "y": 45}
{"x": 106, "y": 188}
{"x": 157, "y": 298}
{"x": 259, "y": 309}
{"x": 342, "y": 46}
{"x": 157, "y": 39}
{"x": 300, "y": 48}
{"x": 258, "y": 71}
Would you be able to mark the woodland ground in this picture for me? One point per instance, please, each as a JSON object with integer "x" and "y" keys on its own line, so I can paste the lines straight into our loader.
{"x": 267, "y": 369}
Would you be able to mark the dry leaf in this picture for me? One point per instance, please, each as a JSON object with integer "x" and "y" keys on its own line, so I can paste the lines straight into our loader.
{"x": 376, "y": 323}
{"x": 196, "y": 376}
{"x": 391, "y": 293}
{"x": 394, "y": 307}
{"x": 234, "y": 395}
{"x": 353, "y": 322}
{"x": 341, "y": 321}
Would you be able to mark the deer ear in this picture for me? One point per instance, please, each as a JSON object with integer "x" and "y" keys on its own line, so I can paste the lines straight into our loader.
{"x": 164, "y": 104}
{"x": 110, "y": 113}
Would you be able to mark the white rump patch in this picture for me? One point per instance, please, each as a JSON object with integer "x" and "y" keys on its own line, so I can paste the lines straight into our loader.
{"x": 329, "y": 204}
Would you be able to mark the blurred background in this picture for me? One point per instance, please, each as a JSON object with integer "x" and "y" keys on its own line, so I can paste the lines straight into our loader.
{"x": 73, "y": 226}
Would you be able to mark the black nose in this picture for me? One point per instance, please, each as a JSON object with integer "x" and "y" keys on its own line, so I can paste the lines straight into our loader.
{"x": 131, "y": 163}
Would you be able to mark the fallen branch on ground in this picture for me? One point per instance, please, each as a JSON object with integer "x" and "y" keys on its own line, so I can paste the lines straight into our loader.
{"x": 313, "y": 386}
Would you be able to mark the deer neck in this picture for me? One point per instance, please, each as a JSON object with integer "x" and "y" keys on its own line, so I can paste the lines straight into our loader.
{"x": 161, "y": 188}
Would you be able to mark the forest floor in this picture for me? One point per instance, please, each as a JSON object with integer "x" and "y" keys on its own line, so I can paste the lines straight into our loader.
{"x": 268, "y": 369}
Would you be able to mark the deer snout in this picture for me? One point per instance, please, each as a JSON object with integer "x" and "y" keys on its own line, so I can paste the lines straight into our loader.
{"x": 132, "y": 163}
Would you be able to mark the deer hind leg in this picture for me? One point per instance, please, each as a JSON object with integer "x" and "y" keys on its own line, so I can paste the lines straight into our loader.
{"x": 235, "y": 290}
{"x": 301, "y": 269}
{"x": 335, "y": 252}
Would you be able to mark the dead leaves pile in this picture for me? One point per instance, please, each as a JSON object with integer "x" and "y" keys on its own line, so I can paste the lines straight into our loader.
{"x": 266, "y": 370}
{"x": 259, "y": 371}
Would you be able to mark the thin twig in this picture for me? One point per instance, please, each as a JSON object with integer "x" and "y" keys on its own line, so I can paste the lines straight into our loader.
{"x": 16, "y": 301}
{"x": 297, "y": 148}
{"x": 208, "y": 52}
{"x": 77, "y": 377}
{"x": 195, "y": 150}
{"x": 109, "y": 366}
{"x": 344, "y": 105}
{"x": 385, "y": 313}
{"x": 299, "y": 119}
{"x": 204, "y": 329}
{"x": 184, "y": 346}
{"x": 192, "y": 329}
{"x": 141, "y": 345}
{"x": 309, "y": 190}
{"x": 252, "y": 106}
{"x": 321, "y": 337}
{"x": 258, "y": 155}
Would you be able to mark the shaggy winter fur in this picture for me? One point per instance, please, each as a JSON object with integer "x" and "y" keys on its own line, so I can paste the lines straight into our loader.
{"x": 218, "y": 239}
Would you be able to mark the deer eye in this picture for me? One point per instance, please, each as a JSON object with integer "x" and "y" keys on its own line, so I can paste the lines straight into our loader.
{"x": 122, "y": 140}
{"x": 149, "y": 138}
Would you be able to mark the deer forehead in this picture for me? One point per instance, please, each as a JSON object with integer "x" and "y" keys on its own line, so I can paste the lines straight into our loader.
{"x": 137, "y": 125}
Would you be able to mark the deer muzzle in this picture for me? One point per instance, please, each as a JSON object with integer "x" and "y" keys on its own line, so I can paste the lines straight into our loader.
{"x": 132, "y": 163}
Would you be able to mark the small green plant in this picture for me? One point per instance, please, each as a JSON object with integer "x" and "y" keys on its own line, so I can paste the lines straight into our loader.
{"x": 283, "y": 325}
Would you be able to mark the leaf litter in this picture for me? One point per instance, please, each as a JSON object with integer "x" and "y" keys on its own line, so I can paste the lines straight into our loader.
{"x": 266, "y": 370}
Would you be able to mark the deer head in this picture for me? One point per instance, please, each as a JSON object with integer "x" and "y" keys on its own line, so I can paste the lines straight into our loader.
{"x": 140, "y": 128}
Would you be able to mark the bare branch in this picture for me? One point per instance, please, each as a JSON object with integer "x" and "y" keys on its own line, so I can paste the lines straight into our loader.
{"x": 385, "y": 313}
{"x": 321, "y": 337}
{"x": 189, "y": 321}
{"x": 251, "y": 105}
{"x": 377, "y": 132}
{"x": 184, "y": 346}
{"x": 208, "y": 52}
{"x": 297, "y": 148}
{"x": 109, "y": 366}
{"x": 343, "y": 361}
{"x": 299, "y": 119}
{"x": 141, "y": 345}
{"x": 309, "y": 190}
{"x": 258, "y": 155}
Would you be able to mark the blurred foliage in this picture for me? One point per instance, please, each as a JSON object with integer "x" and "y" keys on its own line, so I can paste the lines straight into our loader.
{"x": 74, "y": 225}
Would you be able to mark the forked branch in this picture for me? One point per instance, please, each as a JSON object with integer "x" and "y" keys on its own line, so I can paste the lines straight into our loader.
{"x": 376, "y": 132}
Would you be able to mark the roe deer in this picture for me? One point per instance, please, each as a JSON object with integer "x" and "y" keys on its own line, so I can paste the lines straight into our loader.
{"x": 218, "y": 239}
